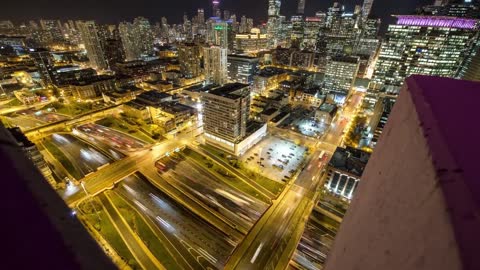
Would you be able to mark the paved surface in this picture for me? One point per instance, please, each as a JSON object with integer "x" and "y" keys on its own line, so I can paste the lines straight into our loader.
{"x": 214, "y": 194}
{"x": 113, "y": 138}
{"x": 204, "y": 246}
{"x": 127, "y": 235}
{"x": 275, "y": 158}
{"x": 83, "y": 156}
{"x": 264, "y": 246}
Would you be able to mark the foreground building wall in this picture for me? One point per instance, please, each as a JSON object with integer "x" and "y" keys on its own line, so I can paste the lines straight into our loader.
{"x": 417, "y": 206}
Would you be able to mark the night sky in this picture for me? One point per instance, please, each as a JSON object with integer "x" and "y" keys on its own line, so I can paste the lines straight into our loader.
{"x": 113, "y": 11}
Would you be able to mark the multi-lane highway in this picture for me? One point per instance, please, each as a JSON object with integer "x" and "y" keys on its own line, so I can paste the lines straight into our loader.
{"x": 84, "y": 157}
{"x": 215, "y": 195}
{"x": 201, "y": 244}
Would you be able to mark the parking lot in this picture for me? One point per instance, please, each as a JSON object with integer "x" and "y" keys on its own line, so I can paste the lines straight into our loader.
{"x": 275, "y": 158}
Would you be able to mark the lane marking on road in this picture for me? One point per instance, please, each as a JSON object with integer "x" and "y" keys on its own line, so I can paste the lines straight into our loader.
{"x": 256, "y": 253}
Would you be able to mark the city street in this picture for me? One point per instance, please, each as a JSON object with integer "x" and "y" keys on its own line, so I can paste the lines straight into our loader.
{"x": 204, "y": 246}
{"x": 267, "y": 242}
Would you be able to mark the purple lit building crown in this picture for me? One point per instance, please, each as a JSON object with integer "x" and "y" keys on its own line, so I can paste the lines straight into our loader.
{"x": 437, "y": 21}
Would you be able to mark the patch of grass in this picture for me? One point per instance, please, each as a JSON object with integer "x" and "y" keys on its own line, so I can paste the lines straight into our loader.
{"x": 73, "y": 108}
{"x": 141, "y": 228}
{"x": 224, "y": 175}
{"x": 271, "y": 185}
{"x": 14, "y": 102}
{"x": 122, "y": 126}
{"x": 101, "y": 222}
{"x": 62, "y": 159}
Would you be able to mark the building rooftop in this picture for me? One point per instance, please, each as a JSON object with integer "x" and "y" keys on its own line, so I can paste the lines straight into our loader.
{"x": 176, "y": 107}
{"x": 201, "y": 87}
{"x": 153, "y": 97}
{"x": 231, "y": 90}
{"x": 327, "y": 107}
{"x": 350, "y": 160}
{"x": 345, "y": 59}
{"x": 437, "y": 21}
{"x": 93, "y": 79}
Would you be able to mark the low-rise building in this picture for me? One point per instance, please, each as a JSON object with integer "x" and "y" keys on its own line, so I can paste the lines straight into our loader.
{"x": 267, "y": 80}
{"x": 92, "y": 87}
{"x": 325, "y": 113}
{"x": 31, "y": 152}
{"x": 345, "y": 170}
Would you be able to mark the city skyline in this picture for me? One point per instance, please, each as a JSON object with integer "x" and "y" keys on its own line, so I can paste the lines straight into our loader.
{"x": 173, "y": 11}
{"x": 255, "y": 139}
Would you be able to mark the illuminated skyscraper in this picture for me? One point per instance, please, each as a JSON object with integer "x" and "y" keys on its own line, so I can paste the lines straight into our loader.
{"x": 297, "y": 31}
{"x": 189, "y": 58}
{"x": 201, "y": 16}
{"x": 45, "y": 64}
{"x": 225, "y": 115}
{"x": 216, "y": 12}
{"x": 242, "y": 68}
{"x": 215, "y": 64}
{"x": 301, "y": 7}
{"x": 273, "y": 24}
{"x": 366, "y": 8}
{"x": 425, "y": 45}
{"x": 91, "y": 40}
{"x": 137, "y": 38}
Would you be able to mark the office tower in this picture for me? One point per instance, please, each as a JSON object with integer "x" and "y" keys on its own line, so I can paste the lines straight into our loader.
{"x": 310, "y": 34}
{"x": 31, "y": 151}
{"x": 201, "y": 16}
{"x": 440, "y": 3}
{"x": 226, "y": 15}
{"x": 470, "y": 67}
{"x": 215, "y": 64}
{"x": 249, "y": 25}
{"x": 225, "y": 114}
{"x": 273, "y": 23}
{"x": 219, "y": 33}
{"x": 243, "y": 24}
{"x": 426, "y": 45}
{"x": 301, "y": 7}
{"x": 334, "y": 14}
{"x": 125, "y": 30}
{"x": 165, "y": 27}
{"x": 137, "y": 38}
{"x": 114, "y": 53}
{"x": 216, "y": 12}
{"x": 45, "y": 64}
{"x": 252, "y": 42}
{"x": 417, "y": 205}
{"x": 89, "y": 33}
{"x": 189, "y": 56}
{"x": 297, "y": 31}
{"x": 340, "y": 74}
{"x": 366, "y": 8}
{"x": 52, "y": 28}
{"x": 242, "y": 68}
{"x": 143, "y": 36}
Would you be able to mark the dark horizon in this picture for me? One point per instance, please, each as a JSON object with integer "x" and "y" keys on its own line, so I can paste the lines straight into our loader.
{"x": 115, "y": 11}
